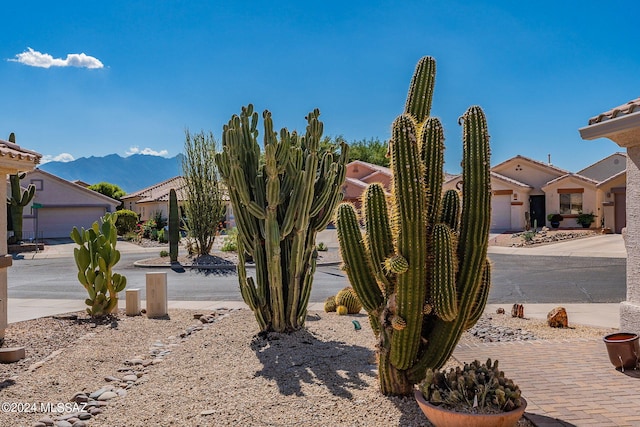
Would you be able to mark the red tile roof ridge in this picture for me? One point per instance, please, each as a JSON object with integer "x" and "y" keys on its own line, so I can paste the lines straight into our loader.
{"x": 624, "y": 109}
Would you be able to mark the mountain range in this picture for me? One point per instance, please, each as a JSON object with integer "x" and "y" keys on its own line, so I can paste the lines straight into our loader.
{"x": 131, "y": 173}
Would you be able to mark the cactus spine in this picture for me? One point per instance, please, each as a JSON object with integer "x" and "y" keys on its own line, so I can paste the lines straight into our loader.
{"x": 95, "y": 259}
{"x": 280, "y": 204}
{"x": 423, "y": 289}
{"x": 174, "y": 226}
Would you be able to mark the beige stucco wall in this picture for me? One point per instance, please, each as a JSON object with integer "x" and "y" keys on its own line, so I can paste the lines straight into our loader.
{"x": 589, "y": 204}
{"x": 605, "y": 200}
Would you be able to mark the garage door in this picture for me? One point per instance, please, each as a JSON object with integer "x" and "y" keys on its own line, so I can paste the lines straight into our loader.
{"x": 500, "y": 213}
{"x": 58, "y": 222}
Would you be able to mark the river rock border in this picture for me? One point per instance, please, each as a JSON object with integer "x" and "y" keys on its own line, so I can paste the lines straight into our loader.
{"x": 135, "y": 371}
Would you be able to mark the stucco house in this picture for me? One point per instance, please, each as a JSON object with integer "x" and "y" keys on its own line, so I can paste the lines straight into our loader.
{"x": 521, "y": 185}
{"x": 359, "y": 175}
{"x": 59, "y": 205}
{"x": 148, "y": 201}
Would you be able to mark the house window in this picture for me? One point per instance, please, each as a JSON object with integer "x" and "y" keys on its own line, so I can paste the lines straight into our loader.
{"x": 38, "y": 183}
{"x": 570, "y": 203}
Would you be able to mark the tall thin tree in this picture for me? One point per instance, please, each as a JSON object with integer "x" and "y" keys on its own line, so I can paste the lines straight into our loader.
{"x": 204, "y": 205}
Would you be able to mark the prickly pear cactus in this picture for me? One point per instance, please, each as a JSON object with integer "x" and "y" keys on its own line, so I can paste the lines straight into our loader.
{"x": 280, "y": 205}
{"x": 95, "y": 258}
{"x": 420, "y": 269}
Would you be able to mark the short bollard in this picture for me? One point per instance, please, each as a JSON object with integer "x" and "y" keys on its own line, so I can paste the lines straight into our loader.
{"x": 133, "y": 302}
{"x": 156, "y": 294}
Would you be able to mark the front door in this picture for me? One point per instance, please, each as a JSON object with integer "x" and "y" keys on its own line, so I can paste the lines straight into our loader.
{"x": 537, "y": 211}
{"x": 620, "y": 210}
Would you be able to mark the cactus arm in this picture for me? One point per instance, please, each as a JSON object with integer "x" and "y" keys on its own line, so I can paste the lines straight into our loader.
{"x": 444, "y": 298}
{"x": 432, "y": 154}
{"x": 420, "y": 95}
{"x": 483, "y": 296}
{"x": 355, "y": 259}
{"x": 378, "y": 238}
{"x": 408, "y": 191}
{"x": 450, "y": 214}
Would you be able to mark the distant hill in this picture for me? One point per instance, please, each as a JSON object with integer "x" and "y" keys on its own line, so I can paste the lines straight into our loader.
{"x": 131, "y": 173}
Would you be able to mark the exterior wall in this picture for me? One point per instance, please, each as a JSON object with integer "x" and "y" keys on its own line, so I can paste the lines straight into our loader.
{"x": 359, "y": 170}
{"x": 588, "y": 200}
{"x": 524, "y": 171}
{"x": 148, "y": 209}
{"x": 605, "y": 200}
{"x": 606, "y": 168}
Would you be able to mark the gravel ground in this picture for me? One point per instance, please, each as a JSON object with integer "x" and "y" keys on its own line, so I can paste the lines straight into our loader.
{"x": 219, "y": 373}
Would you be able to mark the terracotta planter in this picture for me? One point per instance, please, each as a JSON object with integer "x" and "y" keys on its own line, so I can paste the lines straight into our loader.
{"x": 623, "y": 349}
{"x": 441, "y": 417}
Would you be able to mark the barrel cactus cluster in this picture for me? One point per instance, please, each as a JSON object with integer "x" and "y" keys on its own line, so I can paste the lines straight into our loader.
{"x": 281, "y": 201}
{"x": 344, "y": 302}
{"x": 421, "y": 269}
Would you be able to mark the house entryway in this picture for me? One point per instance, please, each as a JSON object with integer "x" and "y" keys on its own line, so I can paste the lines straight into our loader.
{"x": 537, "y": 211}
{"x": 620, "y": 208}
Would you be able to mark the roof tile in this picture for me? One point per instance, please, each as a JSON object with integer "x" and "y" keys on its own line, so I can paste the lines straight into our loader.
{"x": 628, "y": 108}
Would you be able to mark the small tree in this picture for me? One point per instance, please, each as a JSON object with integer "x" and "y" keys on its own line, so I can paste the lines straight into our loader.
{"x": 204, "y": 205}
{"x": 109, "y": 190}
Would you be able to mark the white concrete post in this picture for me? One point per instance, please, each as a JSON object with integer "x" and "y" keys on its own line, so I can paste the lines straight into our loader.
{"x": 157, "y": 294}
{"x": 133, "y": 302}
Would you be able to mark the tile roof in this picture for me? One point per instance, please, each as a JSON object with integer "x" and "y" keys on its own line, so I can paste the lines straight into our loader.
{"x": 157, "y": 191}
{"x": 509, "y": 180}
{"x": 13, "y": 150}
{"x": 628, "y": 108}
{"x": 572, "y": 175}
{"x": 537, "y": 162}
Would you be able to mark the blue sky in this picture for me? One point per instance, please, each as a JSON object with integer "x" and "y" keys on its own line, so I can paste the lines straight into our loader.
{"x": 131, "y": 76}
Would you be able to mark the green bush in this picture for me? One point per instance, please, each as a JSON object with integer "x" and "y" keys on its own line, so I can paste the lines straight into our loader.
{"x": 159, "y": 219}
{"x": 162, "y": 238}
{"x": 147, "y": 228}
{"x": 126, "y": 222}
{"x": 321, "y": 247}
{"x": 164, "y": 253}
{"x": 230, "y": 242}
{"x": 131, "y": 236}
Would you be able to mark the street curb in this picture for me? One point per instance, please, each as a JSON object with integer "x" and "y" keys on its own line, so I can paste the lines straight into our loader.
{"x": 140, "y": 264}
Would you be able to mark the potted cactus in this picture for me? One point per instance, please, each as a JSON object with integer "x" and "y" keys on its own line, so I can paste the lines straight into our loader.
{"x": 420, "y": 269}
{"x": 476, "y": 394}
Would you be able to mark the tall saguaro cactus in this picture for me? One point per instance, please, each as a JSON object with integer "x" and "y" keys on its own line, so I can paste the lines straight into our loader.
{"x": 421, "y": 269}
{"x": 174, "y": 226}
{"x": 280, "y": 204}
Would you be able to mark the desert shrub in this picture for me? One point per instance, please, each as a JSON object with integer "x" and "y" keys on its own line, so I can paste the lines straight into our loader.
{"x": 159, "y": 219}
{"x": 147, "y": 228}
{"x": 126, "y": 222}
{"x": 230, "y": 242}
{"x": 131, "y": 236}
{"x": 162, "y": 237}
{"x": 164, "y": 253}
{"x": 321, "y": 247}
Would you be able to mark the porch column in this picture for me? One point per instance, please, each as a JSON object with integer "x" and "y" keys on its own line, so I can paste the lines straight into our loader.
{"x": 630, "y": 309}
{"x": 5, "y": 259}
{"x": 622, "y": 126}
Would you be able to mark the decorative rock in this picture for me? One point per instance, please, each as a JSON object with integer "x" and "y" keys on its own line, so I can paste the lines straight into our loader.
{"x": 197, "y": 316}
{"x": 107, "y": 395}
{"x": 80, "y": 397}
{"x": 557, "y": 318}
{"x": 135, "y": 361}
{"x": 95, "y": 411}
{"x": 84, "y": 416}
{"x": 130, "y": 377}
{"x": 63, "y": 424}
{"x": 46, "y": 421}
{"x": 121, "y": 392}
{"x": 500, "y": 310}
{"x": 98, "y": 393}
{"x": 517, "y": 311}
{"x": 208, "y": 412}
{"x": 79, "y": 423}
{"x": 38, "y": 424}
{"x": 110, "y": 378}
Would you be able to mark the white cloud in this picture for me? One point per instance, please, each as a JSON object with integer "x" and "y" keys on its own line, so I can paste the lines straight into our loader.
{"x": 147, "y": 151}
{"x": 34, "y": 58}
{"x": 62, "y": 157}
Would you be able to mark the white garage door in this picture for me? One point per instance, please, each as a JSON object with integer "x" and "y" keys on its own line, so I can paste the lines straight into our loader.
{"x": 58, "y": 222}
{"x": 500, "y": 213}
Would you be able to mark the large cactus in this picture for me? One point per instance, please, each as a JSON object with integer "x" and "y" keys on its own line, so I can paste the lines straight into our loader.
{"x": 421, "y": 269}
{"x": 18, "y": 200}
{"x": 174, "y": 226}
{"x": 280, "y": 204}
{"x": 95, "y": 259}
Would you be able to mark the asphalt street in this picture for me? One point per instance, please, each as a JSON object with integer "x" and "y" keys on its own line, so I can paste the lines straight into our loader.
{"x": 516, "y": 278}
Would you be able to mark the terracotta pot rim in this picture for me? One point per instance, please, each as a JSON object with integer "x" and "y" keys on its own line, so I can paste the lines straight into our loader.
{"x": 632, "y": 336}
{"x": 420, "y": 398}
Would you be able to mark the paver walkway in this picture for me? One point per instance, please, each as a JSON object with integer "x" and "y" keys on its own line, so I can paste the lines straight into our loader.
{"x": 565, "y": 383}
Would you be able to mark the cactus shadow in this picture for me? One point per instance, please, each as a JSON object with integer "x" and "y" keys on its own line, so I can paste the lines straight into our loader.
{"x": 292, "y": 360}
